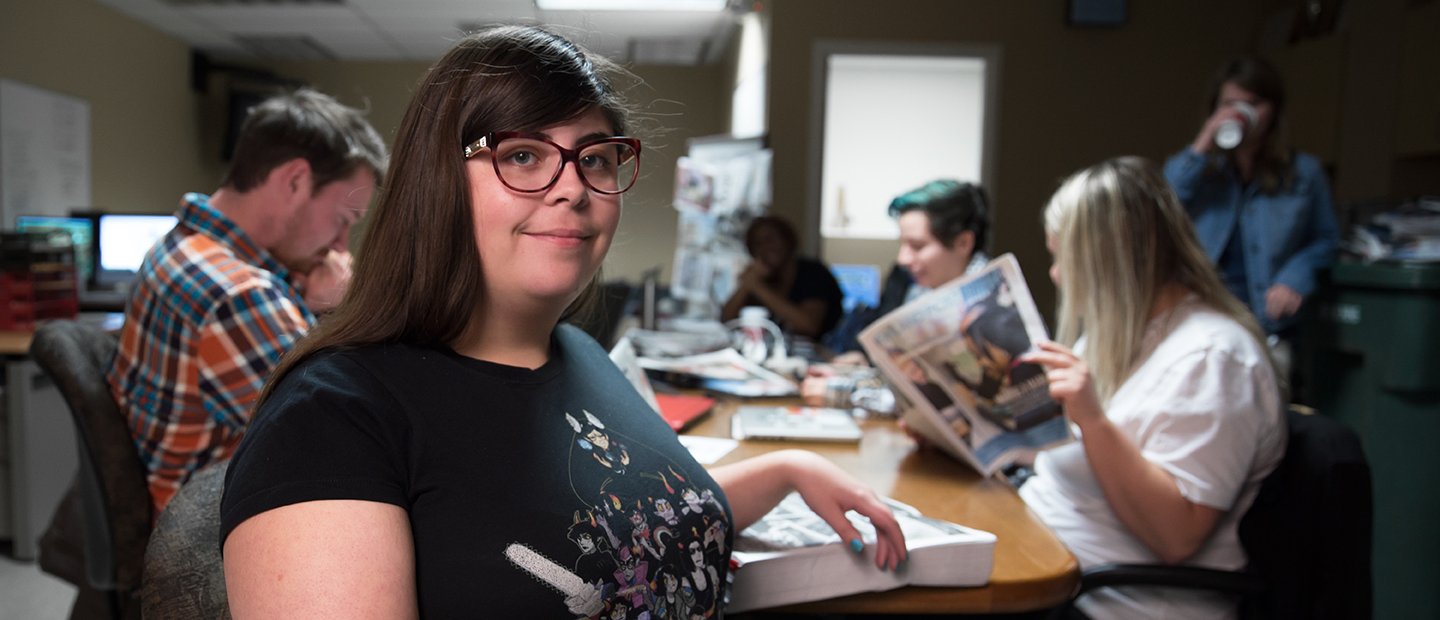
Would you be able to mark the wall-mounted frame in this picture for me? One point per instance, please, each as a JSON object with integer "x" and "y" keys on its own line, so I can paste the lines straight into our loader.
{"x": 1097, "y": 13}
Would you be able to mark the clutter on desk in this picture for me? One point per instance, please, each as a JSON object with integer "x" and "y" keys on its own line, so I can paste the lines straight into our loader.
{"x": 1406, "y": 232}
{"x": 723, "y": 371}
{"x": 38, "y": 279}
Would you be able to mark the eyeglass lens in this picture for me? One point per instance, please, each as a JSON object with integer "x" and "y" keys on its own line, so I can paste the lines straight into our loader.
{"x": 531, "y": 165}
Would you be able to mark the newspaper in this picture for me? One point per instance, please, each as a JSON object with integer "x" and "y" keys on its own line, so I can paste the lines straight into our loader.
{"x": 950, "y": 356}
{"x": 791, "y": 555}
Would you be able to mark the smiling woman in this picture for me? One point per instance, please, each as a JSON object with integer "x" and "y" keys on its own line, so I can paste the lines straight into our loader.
{"x": 443, "y": 445}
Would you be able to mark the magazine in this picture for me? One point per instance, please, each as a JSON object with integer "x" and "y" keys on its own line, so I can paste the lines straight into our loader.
{"x": 950, "y": 357}
{"x": 791, "y": 556}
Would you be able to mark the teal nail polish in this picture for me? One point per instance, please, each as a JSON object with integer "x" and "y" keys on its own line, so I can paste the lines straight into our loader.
{"x": 857, "y": 545}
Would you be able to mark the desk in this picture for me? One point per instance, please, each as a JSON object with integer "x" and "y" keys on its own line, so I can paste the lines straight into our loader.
{"x": 1033, "y": 569}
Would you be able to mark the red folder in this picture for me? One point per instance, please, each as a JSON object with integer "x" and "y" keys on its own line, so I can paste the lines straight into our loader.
{"x": 681, "y": 410}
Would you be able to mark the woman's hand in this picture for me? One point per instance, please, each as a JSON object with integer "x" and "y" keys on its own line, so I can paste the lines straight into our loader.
{"x": 755, "y": 485}
{"x": 1205, "y": 140}
{"x": 754, "y": 276}
{"x": 1282, "y": 301}
{"x": 815, "y": 389}
{"x": 1070, "y": 383}
{"x": 831, "y": 492}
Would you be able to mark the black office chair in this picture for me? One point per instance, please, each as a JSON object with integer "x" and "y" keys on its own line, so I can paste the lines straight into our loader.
{"x": 184, "y": 574}
{"x": 1307, "y": 536}
{"x": 96, "y": 540}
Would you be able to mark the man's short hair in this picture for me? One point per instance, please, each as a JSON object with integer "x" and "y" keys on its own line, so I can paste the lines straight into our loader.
{"x": 335, "y": 139}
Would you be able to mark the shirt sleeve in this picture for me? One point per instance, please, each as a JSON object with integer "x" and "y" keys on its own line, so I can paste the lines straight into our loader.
{"x": 1322, "y": 234}
{"x": 1206, "y": 425}
{"x": 326, "y": 432}
{"x": 1184, "y": 171}
{"x": 239, "y": 344}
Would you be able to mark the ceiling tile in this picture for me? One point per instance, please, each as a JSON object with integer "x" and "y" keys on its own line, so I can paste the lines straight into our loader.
{"x": 277, "y": 19}
{"x": 417, "y": 29}
{"x": 356, "y": 45}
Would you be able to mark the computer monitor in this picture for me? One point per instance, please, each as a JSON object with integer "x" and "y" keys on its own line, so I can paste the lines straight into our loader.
{"x": 859, "y": 283}
{"x": 81, "y": 232}
{"x": 123, "y": 239}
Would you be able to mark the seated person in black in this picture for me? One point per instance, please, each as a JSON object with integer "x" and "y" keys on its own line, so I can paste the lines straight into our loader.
{"x": 801, "y": 293}
{"x": 442, "y": 445}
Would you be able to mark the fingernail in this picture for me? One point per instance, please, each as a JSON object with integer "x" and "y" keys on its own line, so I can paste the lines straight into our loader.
{"x": 857, "y": 545}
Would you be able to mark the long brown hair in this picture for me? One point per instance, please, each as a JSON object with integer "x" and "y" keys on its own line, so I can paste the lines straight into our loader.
{"x": 1274, "y": 169}
{"x": 417, "y": 277}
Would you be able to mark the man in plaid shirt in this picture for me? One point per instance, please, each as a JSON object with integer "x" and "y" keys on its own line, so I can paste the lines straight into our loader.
{"x": 222, "y": 296}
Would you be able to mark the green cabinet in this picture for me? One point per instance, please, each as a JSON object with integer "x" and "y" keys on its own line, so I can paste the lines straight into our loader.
{"x": 1374, "y": 363}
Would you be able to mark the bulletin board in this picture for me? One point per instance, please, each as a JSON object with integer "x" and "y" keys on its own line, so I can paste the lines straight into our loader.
{"x": 44, "y": 152}
{"x": 720, "y": 186}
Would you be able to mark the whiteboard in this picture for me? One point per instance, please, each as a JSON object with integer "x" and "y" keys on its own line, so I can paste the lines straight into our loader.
{"x": 44, "y": 152}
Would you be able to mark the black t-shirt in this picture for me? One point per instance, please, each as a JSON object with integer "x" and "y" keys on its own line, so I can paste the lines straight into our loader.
{"x": 566, "y": 461}
{"x": 813, "y": 280}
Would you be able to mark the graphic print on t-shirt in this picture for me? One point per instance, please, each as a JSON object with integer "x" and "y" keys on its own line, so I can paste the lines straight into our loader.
{"x": 648, "y": 542}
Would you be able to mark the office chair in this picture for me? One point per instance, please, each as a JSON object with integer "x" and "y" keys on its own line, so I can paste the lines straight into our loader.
{"x": 1307, "y": 536}
{"x": 97, "y": 537}
{"x": 184, "y": 574}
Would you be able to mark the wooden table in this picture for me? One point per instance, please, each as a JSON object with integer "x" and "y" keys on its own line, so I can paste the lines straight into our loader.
{"x": 1033, "y": 569}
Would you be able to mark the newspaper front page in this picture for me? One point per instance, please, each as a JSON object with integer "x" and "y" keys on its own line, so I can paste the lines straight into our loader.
{"x": 951, "y": 356}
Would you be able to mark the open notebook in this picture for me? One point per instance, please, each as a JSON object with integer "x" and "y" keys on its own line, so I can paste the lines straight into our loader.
{"x": 678, "y": 410}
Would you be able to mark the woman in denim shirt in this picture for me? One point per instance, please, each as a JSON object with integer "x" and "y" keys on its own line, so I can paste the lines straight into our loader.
{"x": 1263, "y": 212}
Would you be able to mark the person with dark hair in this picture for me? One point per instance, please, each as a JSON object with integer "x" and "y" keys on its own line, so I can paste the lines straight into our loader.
{"x": 800, "y": 293}
{"x": 430, "y": 447}
{"x": 239, "y": 280}
{"x": 1263, "y": 211}
{"x": 944, "y": 229}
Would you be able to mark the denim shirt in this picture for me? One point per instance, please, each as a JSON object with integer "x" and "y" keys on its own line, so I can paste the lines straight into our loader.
{"x": 1286, "y": 237}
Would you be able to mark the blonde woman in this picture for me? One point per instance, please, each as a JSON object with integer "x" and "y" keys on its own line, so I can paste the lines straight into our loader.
{"x": 1168, "y": 381}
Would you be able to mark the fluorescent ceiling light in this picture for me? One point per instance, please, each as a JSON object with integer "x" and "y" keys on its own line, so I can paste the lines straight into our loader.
{"x": 631, "y": 5}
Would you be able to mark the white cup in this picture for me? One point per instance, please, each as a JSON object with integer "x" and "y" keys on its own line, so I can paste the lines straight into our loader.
{"x": 1231, "y": 132}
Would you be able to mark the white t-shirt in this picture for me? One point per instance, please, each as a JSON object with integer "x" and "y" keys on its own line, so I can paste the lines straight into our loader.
{"x": 1204, "y": 405}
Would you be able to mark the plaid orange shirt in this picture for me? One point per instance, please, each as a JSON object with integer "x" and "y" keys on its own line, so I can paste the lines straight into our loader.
{"x": 209, "y": 317}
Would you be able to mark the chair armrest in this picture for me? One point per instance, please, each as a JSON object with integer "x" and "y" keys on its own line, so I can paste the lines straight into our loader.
{"x": 1109, "y": 575}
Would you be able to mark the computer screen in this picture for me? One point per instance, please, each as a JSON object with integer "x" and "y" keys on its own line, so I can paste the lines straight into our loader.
{"x": 81, "y": 232}
{"x": 126, "y": 237}
{"x": 859, "y": 283}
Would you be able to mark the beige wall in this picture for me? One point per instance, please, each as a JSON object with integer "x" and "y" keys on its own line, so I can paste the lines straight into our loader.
{"x": 1069, "y": 97}
{"x": 153, "y": 138}
{"x": 1362, "y": 99}
{"x": 145, "y": 122}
